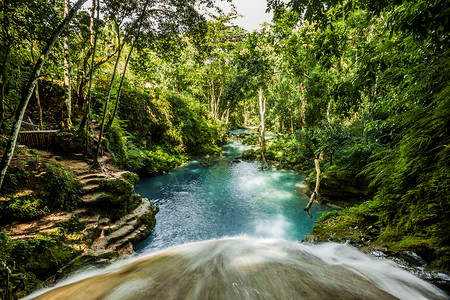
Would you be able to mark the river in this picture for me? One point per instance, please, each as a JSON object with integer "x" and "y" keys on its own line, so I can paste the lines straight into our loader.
{"x": 229, "y": 230}
{"x": 219, "y": 197}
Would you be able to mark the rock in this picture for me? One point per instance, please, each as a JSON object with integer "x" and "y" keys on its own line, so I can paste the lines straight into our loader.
{"x": 342, "y": 188}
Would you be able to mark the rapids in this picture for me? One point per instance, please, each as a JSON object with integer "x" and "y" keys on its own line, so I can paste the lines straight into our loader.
{"x": 247, "y": 268}
{"x": 205, "y": 202}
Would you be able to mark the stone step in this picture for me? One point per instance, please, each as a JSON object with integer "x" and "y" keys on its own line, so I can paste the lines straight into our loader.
{"x": 120, "y": 234}
{"x": 92, "y": 180}
{"x": 93, "y": 197}
{"x": 124, "y": 230}
{"x": 131, "y": 237}
{"x": 90, "y": 188}
{"x": 87, "y": 176}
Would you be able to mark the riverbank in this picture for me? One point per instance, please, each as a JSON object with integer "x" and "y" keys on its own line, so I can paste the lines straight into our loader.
{"x": 106, "y": 219}
{"x": 360, "y": 221}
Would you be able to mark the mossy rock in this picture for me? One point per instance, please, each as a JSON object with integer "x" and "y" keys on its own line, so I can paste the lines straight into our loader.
{"x": 71, "y": 142}
{"x": 90, "y": 260}
{"x": 341, "y": 187}
{"x": 249, "y": 154}
{"x": 251, "y": 140}
{"x": 119, "y": 197}
{"x": 47, "y": 263}
{"x": 146, "y": 222}
{"x": 269, "y": 155}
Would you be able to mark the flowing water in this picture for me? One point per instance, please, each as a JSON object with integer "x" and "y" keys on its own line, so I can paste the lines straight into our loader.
{"x": 207, "y": 199}
{"x": 247, "y": 268}
{"x": 248, "y": 223}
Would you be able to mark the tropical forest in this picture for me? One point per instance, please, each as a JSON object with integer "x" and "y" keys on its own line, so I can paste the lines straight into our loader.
{"x": 153, "y": 149}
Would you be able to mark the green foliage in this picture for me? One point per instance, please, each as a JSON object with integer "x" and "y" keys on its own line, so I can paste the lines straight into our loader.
{"x": 72, "y": 225}
{"x": 250, "y": 154}
{"x": 153, "y": 162}
{"x": 118, "y": 197}
{"x": 35, "y": 189}
{"x": 290, "y": 153}
{"x": 373, "y": 96}
{"x": 251, "y": 140}
{"x": 114, "y": 143}
{"x": 171, "y": 127}
{"x": 29, "y": 262}
{"x": 357, "y": 156}
{"x": 62, "y": 190}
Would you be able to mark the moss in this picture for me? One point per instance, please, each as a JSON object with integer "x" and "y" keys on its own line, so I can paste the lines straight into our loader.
{"x": 72, "y": 142}
{"x": 34, "y": 188}
{"x": 361, "y": 226}
{"x": 147, "y": 219}
{"x": 32, "y": 261}
{"x": 133, "y": 178}
{"x": 86, "y": 260}
{"x": 72, "y": 225}
{"x": 114, "y": 143}
{"x": 119, "y": 197}
{"x": 251, "y": 140}
{"x": 269, "y": 155}
{"x": 45, "y": 264}
{"x": 250, "y": 154}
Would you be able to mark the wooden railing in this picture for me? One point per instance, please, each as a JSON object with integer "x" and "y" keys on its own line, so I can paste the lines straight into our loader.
{"x": 42, "y": 139}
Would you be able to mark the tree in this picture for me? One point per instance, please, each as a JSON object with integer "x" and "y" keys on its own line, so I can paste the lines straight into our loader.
{"x": 67, "y": 108}
{"x": 255, "y": 64}
{"x": 121, "y": 82}
{"x": 29, "y": 88}
{"x": 22, "y": 25}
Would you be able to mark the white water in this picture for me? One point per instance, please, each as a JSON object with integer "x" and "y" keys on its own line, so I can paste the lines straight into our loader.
{"x": 247, "y": 268}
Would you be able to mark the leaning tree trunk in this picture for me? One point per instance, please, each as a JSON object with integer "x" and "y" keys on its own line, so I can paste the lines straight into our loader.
{"x": 111, "y": 120}
{"x": 38, "y": 102}
{"x": 87, "y": 103}
{"x": 314, "y": 195}
{"x": 108, "y": 98}
{"x": 36, "y": 91}
{"x": 67, "y": 108}
{"x": 10, "y": 147}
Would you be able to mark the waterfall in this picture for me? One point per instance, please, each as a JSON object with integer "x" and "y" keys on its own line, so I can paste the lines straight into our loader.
{"x": 247, "y": 268}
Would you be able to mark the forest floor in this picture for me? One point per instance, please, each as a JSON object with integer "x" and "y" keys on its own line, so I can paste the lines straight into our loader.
{"x": 111, "y": 235}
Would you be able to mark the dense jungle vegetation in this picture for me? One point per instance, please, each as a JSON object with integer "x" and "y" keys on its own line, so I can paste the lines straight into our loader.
{"x": 358, "y": 91}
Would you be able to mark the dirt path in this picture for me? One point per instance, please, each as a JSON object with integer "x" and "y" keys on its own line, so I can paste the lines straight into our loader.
{"x": 114, "y": 235}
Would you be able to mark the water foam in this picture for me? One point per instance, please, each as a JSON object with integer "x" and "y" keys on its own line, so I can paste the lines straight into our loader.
{"x": 247, "y": 268}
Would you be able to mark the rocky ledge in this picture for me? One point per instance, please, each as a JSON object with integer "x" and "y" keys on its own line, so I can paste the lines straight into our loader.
{"x": 109, "y": 221}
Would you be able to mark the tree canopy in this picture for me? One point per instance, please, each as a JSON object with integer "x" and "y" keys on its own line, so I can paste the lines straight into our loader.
{"x": 352, "y": 87}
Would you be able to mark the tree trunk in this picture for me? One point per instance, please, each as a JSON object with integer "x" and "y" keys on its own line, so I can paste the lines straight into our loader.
{"x": 314, "y": 195}
{"x": 36, "y": 91}
{"x": 302, "y": 107}
{"x": 84, "y": 121}
{"x": 2, "y": 99}
{"x": 38, "y": 101}
{"x": 111, "y": 120}
{"x": 262, "y": 111}
{"x": 84, "y": 79}
{"x": 2, "y": 88}
{"x": 107, "y": 99}
{"x": 28, "y": 91}
{"x": 213, "y": 100}
{"x": 67, "y": 108}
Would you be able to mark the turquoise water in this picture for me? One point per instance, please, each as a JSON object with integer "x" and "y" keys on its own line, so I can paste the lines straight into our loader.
{"x": 206, "y": 199}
